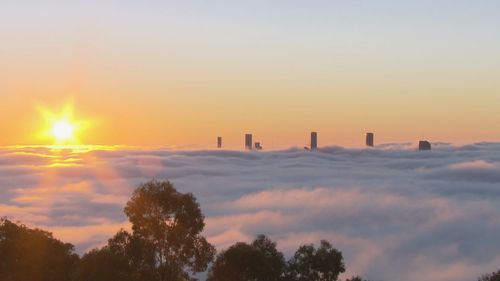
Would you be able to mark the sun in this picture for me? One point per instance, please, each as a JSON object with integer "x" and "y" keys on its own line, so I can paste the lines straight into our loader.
{"x": 62, "y": 128}
{"x": 63, "y": 131}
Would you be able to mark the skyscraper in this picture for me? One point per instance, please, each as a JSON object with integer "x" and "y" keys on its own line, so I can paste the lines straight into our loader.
{"x": 314, "y": 140}
{"x": 248, "y": 141}
{"x": 369, "y": 139}
{"x": 219, "y": 142}
{"x": 424, "y": 145}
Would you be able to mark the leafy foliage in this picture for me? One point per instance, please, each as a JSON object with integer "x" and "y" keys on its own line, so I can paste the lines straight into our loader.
{"x": 33, "y": 254}
{"x": 167, "y": 241}
{"x": 116, "y": 261}
{"x": 259, "y": 261}
{"x": 165, "y": 244}
{"x": 355, "y": 278}
{"x": 495, "y": 276}
{"x": 322, "y": 264}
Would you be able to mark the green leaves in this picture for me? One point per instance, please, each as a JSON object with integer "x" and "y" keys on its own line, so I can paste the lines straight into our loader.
{"x": 165, "y": 245}
{"x": 33, "y": 254}
{"x": 322, "y": 264}
{"x": 259, "y": 261}
{"x": 169, "y": 225}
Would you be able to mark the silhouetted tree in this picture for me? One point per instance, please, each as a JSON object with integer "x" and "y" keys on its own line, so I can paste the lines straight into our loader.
{"x": 259, "y": 261}
{"x": 274, "y": 258}
{"x": 102, "y": 265}
{"x": 355, "y": 278}
{"x": 116, "y": 261}
{"x": 494, "y": 276}
{"x": 167, "y": 241}
{"x": 33, "y": 254}
{"x": 310, "y": 264}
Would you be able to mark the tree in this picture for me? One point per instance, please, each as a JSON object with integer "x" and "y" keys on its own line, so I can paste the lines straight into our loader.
{"x": 355, "y": 278}
{"x": 310, "y": 264}
{"x": 259, "y": 261}
{"x": 33, "y": 254}
{"x": 494, "y": 276}
{"x": 167, "y": 241}
{"x": 114, "y": 261}
{"x": 102, "y": 265}
{"x": 275, "y": 262}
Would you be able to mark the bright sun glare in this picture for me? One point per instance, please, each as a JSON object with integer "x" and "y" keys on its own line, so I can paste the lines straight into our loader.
{"x": 62, "y": 128}
{"x": 62, "y": 131}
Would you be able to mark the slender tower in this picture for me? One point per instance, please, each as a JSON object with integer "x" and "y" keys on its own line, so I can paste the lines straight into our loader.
{"x": 369, "y": 139}
{"x": 314, "y": 140}
{"x": 219, "y": 142}
{"x": 248, "y": 141}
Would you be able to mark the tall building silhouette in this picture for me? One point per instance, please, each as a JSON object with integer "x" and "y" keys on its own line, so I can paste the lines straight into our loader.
{"x": 314, "y": 140}
{"x": 219, "y": 142}
{"x": 424, "y": 145}
{"x": 369, "y": 139}
{"x": 248, "y": 141}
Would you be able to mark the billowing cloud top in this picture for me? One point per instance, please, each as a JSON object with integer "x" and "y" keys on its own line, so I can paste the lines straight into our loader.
{"x": 395, "y": 213}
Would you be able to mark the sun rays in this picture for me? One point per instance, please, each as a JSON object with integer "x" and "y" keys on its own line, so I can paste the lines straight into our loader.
{"x": 62, "y": 128}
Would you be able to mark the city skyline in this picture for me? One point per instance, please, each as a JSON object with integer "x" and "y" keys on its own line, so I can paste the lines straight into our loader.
{"x": 347, "y": 140}
{"x": 188, "y": 71}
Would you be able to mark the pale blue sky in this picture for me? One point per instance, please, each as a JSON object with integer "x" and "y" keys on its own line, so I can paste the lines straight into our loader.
{"x": 293, "y": 62}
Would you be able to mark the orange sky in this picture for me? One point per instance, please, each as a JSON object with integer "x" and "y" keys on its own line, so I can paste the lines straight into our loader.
{"x": 182, "y": 74}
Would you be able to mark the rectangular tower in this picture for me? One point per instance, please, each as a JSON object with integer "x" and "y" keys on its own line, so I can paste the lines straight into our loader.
{"x": 424, "y": 145}
{"x": 248, "y": 141}
{"x": 219, "y": 142}
{"x": 314, "y": 140}
{"x": 369, "y": 139}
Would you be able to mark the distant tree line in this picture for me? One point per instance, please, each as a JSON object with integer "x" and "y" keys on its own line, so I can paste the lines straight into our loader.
{"x": 165, "y": 244}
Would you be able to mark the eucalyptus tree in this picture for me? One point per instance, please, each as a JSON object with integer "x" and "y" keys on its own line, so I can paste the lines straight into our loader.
{"x": 166, "y": 230}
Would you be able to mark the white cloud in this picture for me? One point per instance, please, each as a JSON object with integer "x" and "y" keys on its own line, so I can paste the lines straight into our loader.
{"x": 395, "y": 213}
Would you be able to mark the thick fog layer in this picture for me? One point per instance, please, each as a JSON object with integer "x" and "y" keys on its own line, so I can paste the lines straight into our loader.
{"x": 395, "y": 213}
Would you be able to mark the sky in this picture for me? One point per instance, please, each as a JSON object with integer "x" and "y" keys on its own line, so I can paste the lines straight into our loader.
{"x": 395, "y": 213}
{"x": 146, "y": 87}
{"x": 181, "y": 73}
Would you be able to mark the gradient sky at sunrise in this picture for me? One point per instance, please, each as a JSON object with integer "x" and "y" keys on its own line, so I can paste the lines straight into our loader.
{"x": 181, "y": 73}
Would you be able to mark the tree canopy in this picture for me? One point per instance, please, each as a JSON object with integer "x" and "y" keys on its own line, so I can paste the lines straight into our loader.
{"x": 167, "y": 226}
{"x": 258, "y": 261}
{"x": 355, "y": 278}
{"x": 322, "y": 264}
{"x": 118, "y": 260}
{"x": 165, "y": 244}
{"x": 33, "y": 255}
{"x": 494, "y": 276}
